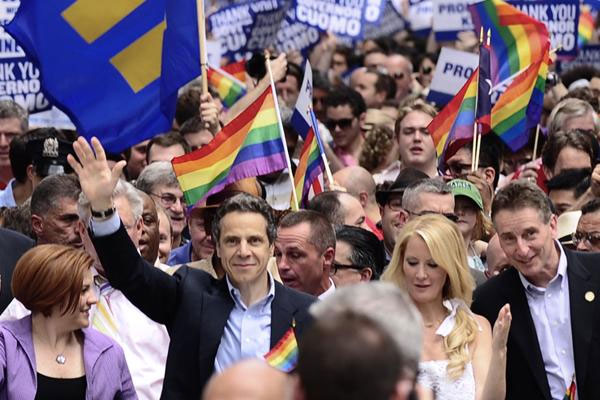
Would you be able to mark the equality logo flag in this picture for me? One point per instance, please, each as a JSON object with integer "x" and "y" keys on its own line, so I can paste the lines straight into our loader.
{"x": 113, "y": 66}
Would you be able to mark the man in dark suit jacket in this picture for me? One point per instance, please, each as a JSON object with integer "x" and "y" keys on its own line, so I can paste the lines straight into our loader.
{"x": 12, "y": 247}
{"x": 203, "y": 316}
{"x": 554, "y": 298}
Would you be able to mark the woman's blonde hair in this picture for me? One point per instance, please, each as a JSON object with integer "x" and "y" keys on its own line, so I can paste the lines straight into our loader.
{"x": 446, "y": 245}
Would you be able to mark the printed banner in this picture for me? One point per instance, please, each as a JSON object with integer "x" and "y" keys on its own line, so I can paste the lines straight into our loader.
{"x": 561, "y": 18}
{"x": 453, "y": 69}
{"x": 451, "y": 17}
{"x": 588, "y": 55}
{"x": 391, "y": 22}
{"x": 341, "y": 17}
{"x": 294, "y": 35}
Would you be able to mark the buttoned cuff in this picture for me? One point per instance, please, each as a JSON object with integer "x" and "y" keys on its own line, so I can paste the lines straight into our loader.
{"x": 107, "y": 226}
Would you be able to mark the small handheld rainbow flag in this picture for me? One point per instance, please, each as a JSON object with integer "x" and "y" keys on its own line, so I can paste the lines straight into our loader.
{"x": 250, "y": 145}
{"x": 454, "y": 124}
{"x": 519, "y": 108}
{"x": 237, "y": 70}
{"x": 228, "y": 87}
{"x": 284, "y": 356}
{"x": 517, "y": 40}
{"x": 571, "y": 390}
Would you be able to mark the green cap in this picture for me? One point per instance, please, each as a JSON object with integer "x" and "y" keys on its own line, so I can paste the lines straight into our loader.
{"x": 461, "y": 187}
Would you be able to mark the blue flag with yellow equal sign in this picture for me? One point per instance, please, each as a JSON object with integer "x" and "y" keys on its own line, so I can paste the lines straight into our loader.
{"x": 114, "y": 66}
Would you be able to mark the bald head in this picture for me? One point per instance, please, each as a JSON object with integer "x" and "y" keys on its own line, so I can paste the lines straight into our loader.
{"x": 356, "y": 180}
{"x": 248, "y": 380}
{"x": 400, "y": 68}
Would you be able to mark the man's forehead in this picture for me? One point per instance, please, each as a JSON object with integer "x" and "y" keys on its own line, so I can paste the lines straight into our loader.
{"x": 10, "y": 125}
{"x": 415, "y": 119}
{"x": 294, "y": 235}
{"x": 589, "y": 222}
{"x": 341, "y": 111}
{"x": 162, "y": 189}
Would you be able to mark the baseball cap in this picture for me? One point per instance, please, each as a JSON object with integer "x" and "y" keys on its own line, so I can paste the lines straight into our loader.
{"x": 461, "y": 187}
{"x": 406, "y": 178}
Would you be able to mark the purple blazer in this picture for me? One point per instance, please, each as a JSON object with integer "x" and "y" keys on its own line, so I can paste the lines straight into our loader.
{"x": 106, "y": 371}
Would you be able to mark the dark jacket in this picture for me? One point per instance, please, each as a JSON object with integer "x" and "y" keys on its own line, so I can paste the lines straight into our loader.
{"x": 194, "y": 307}
{"x": 525, "y": 372}
{"x": 12, "y": 247}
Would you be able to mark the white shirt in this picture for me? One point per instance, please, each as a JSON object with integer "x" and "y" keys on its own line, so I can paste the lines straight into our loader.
{"x": 329, "y": 291}
{"x": 144, "y": 342}
{"x": 7, "y": 197}
{"x": 551, "y": 314}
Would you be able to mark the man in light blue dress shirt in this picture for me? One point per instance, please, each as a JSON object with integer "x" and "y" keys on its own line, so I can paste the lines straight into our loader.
{"x": 553, "y": 293}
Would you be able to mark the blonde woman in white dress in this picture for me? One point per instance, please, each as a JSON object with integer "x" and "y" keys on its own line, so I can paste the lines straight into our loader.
{"x": 461, "y": 360}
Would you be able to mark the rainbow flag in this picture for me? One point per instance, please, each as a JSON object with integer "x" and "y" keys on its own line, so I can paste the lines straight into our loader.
{"x": 586, "y": 26}
{"x": 310, "y": 166}
{"x": 228, "y": 87}
{"x": 453, "y": 126}
{"x": 517, "y": 40}
{"x": 237, "y": 70}
{"x": 519, "y": 108}
{"x": 248, "y": 146}
{"x": 284, "y": 356}
{"x": 571, "y": 390}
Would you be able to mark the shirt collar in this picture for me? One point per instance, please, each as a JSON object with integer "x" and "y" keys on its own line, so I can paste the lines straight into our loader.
{"x": 560, "y": 272}
{"x": 329, "y": 291}
{"x": 237, "y": 296}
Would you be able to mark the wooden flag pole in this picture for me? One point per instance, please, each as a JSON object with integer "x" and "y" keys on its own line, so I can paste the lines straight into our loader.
{"x": 282, "y": 133}
{"x": 535, "y": 142}
{"x": 478, "y": 147}
{"x": 474, "y": 150}
{"x": 202, "y": 44}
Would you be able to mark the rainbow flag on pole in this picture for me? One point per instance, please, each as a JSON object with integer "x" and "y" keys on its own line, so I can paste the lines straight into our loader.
{"x": 517, "y": 40}
{"x": 284, "y": 356}
{"x": 310, "y": 167}
{"x": 519, "y": 108}
{"x": 228, "y": 87}
{"x": 453, "y": 126}
{"x": 237, "y": 70}
{"x": 250, "y": 145}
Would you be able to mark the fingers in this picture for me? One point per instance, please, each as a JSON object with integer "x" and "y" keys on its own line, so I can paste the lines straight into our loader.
{"x": 117, "y": 171}
{"x": 74, "y": 164}
{"x": 98, "y": 149}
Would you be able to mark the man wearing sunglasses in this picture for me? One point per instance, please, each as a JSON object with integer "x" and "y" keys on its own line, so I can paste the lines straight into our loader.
{"x": 587, "y": 235}
{"x": 400, "y": 68}
{"x": 345, "y": 109}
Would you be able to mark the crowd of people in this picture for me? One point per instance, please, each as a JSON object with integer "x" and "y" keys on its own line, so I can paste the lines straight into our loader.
{"x": 408, "y": 277}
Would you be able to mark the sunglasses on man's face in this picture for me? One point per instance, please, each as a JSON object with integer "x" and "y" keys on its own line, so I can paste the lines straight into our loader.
{"x": 592, "y": 237}
{"x": 344, "y": 123}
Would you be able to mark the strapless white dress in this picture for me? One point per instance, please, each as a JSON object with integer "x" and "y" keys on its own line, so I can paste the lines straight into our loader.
{"x": 432, "y": 375}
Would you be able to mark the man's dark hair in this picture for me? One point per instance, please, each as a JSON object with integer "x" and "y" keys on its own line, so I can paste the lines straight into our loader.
{"x": 322, "y": 234}
{"x": 367, "y": 249}
{"x": 579, "y": 139}
{"x": 320, "y": 81}
{"x": 521, "y": 194}
{"x": 348, "y": 357}
{"x": 384, "y": 83}
{"x": 329, "y": 205}
{"x": 51, "y": 190}
{"x": 188, "y": 104}
{"x": 192, "y": 125}
{"x": 245, "y": 203}
{"x": 295, "y": 71}
{"x": 168, "y": 139}
{"x": 590, "y": 207}
{"x": 343, "y": 95}
{"x": 592, "y": 96}
{"x": 570, "y": 179}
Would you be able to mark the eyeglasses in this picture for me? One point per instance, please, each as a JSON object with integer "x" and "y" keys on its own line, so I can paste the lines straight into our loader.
{"x": 592, "y": 237}
{"x": 169, "y": 199}
{"x": 342, "y": 123}
{"x": 452, "y": 217}
{"x": 335, "y": 267}
{"x": 426, "y": 70}
{"x": 398, "y": 76}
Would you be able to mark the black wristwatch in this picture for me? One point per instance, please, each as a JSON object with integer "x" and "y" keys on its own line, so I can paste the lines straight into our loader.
{"x": 103, "y": 214}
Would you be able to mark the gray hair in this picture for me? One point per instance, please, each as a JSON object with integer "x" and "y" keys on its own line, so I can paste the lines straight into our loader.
{"x": 157, "y": 173}
{"x": 245, "y": 203}
{"x": 51, "y": 190}
{"x": 410, "y": 198}
{"x": 123, "y": 189}
{"x": 387, "y": 305}
{"x": 567, "y": 109}
{"x": 10, "y": 109}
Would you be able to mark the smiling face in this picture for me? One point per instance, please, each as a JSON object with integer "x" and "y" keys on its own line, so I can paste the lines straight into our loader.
{"x": 80, "y": 318}
{"x": 424, "y": 278}
{"x": 528, "y": 243}
{"x": 244, "y": 248}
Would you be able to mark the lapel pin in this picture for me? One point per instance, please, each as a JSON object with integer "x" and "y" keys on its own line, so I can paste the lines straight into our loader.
{"x": 589, "y": 296}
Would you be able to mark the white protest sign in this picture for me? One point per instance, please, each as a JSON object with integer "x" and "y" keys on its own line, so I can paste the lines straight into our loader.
{"x": 452, "y": 70}
{"x": 420, "y": 15}
{"x": 451, "y": 17}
